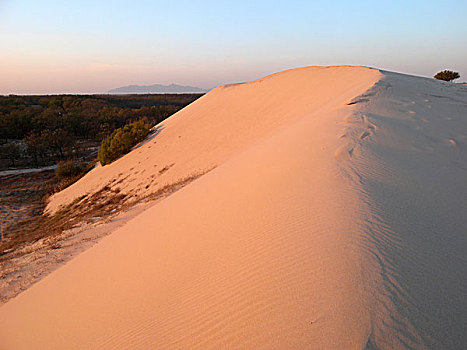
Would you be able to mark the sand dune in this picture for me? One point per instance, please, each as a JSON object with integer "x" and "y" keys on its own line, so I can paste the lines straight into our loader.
{"x": 333, "y": 220}
{"x": 207, "y": 133}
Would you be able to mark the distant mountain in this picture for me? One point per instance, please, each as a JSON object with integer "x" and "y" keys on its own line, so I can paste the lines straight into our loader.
{"x": 156, "y": 89}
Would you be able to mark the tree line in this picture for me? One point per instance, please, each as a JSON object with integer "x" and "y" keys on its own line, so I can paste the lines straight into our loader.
{"x": 40, "y": 130}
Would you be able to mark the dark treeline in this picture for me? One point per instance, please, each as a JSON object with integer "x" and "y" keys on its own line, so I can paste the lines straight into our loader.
{"x": 39, "y": 130}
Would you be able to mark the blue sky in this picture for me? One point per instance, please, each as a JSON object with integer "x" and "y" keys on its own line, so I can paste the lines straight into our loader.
{"x": 93, "y": 46}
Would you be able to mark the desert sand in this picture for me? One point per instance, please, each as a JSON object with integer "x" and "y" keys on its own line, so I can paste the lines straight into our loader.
{"x": 333, "y": 218}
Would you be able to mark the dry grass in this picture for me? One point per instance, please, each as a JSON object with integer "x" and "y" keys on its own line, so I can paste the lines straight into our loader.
{"x": 22, "y": 199}
{"x": 40, "y": 226}
{"x": 35, "y": 246}
{"x": 87, "y": 208}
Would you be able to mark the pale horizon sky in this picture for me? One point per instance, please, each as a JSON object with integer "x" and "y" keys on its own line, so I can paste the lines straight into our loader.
{"x": 92, "y": 46}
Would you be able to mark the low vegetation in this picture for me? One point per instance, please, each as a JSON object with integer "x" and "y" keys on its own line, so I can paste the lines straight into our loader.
{"x": 66, "y": 130}
{"x": 447, "y": 75}
{"x": 41, "y": 130}
{"x": 22, "y": 198}
{"x": 122, "y": 140}
{"x": 70, "y": 171}
{"x": 103, "y": 203}
{"x": 33, "y": 243}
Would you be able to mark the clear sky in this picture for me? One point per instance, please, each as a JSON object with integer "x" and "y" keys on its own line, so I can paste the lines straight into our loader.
{"x": 92, "y": 46}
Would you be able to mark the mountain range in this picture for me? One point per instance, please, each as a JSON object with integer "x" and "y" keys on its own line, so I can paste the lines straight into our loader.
{"x": 156, "y": 89}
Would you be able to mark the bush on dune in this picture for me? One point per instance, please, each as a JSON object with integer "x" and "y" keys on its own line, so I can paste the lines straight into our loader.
{"x": 447, "y": 75}
{"x": 69, "y": 171}
{"x": 122, "y": 140}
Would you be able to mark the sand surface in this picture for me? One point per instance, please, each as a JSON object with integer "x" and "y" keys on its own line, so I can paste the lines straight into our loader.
{"x": 335, "y": 219}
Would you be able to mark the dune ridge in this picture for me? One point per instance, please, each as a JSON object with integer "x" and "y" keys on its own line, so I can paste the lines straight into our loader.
{"x": 332, "y": 219}
{"x": 205, "y": 135}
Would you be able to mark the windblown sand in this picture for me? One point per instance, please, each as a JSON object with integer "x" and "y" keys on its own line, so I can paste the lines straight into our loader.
{"x": 335, "y": 219}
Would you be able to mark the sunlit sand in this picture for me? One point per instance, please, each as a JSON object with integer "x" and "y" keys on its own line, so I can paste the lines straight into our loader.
{"x": 333, "y": 218}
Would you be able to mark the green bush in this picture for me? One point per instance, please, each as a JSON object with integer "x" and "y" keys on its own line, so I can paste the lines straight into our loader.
{"x": 68, "y": 168}
{"x": 122, "y": 140}
{"x": 447, "y": 75}
{"x": 70, "y": 171}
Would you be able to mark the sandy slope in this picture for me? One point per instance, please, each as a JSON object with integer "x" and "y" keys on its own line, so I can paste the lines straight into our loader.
{"x": 207, "y": 133}
{"x": 324, "y": 226}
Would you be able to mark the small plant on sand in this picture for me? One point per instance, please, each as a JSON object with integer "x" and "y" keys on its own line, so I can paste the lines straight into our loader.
{"x": 447, "y": 75}
{"x": 68, "y": 168}
{"x": 122, "y": 140}
{"x": 70, "y": 171}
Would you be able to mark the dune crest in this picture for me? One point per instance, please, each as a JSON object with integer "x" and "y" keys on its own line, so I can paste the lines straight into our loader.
{"x": 207, "y": 133}
{"x": 333, "y": 220}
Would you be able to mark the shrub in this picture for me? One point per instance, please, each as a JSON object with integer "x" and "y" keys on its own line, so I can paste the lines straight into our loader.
{"x": 67, "y": 169}
{"x": 447, "y": 75}
{"x": 122, "y": 140}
